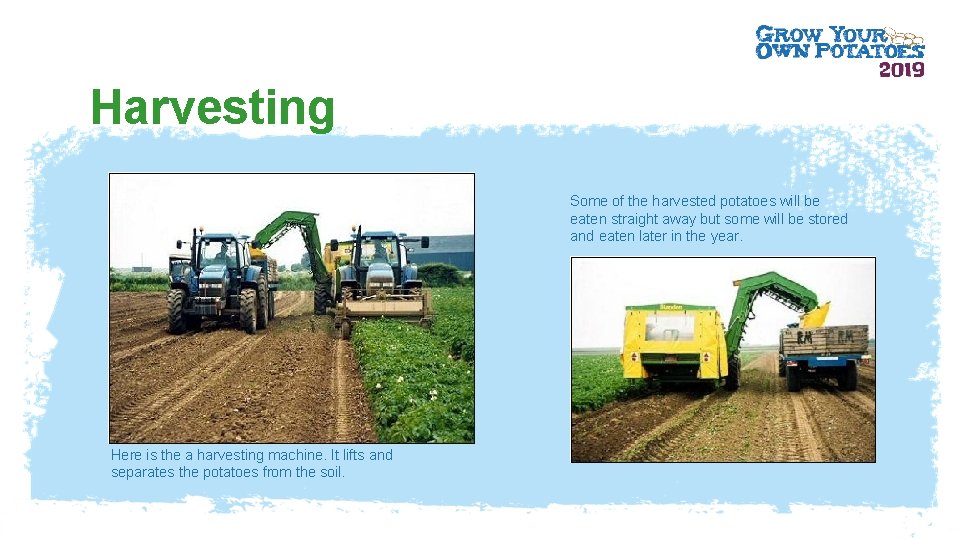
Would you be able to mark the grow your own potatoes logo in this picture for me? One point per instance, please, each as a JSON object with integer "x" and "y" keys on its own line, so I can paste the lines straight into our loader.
{"x": 900, "y": 53}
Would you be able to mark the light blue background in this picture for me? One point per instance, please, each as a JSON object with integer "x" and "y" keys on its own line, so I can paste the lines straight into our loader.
{"x": 523, "y": 184}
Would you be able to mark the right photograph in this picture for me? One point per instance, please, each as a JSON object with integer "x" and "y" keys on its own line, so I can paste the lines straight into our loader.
{"x": 723, "y": 359}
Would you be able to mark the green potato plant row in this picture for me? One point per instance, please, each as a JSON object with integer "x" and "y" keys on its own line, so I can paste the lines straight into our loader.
{"x": 419, "y": 390}
{"x": 598, "y": 380}
{"x": 454, "y": 323}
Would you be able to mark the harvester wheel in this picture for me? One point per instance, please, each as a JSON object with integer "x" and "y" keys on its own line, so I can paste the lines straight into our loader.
{"x": 848, "y": 382}
{"x": 248, "y": 310}
{"x": 321, "y": 299}
{"x": 262, "y": 303}
{"x": 793, "y": 378}
{"x": 733, "y": 374}
{"x": 346, "y": 329}
{"x": 175, "y": 298}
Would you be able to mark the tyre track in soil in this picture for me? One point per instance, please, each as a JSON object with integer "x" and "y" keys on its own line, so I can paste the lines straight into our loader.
{"x": 667, "y": 441}
{"x": 810, "y": 444}
{"x": 291, "y": 383}
{"x": 295, "y": 303}
{"x": 165, "y": 367}
{"x": 350, "y": 401}
{"x": 137, "y": 421}
{"x": 601, "y": 435}
{"x": 857, "y": 401}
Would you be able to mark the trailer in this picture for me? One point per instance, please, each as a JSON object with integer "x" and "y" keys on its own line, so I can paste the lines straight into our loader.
{"x": 829, "y": 352}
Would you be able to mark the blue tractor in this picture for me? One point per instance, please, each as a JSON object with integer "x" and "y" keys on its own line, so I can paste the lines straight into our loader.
{"x": 379, "y": 281}
{"x": 218, "y": 281}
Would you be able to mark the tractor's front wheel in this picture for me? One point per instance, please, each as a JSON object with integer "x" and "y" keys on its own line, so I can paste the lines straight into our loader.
{"x": 248, "y": 310}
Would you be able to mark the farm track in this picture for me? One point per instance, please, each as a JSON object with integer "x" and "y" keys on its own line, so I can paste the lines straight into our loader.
{"x": 292, "y": 382}
{"x": 761, "y": 422}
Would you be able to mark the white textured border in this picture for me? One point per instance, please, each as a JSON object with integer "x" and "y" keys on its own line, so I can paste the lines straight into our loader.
{"x": 503, "y": 64}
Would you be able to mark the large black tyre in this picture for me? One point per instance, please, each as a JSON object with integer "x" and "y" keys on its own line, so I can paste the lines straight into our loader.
{"x": 248, "y": 310}
{"x": 321, "y": 299}
{"x": 733, "y": 374}
{"x": 262, "y": 304}
{"x": 175, "y": 300}
{"x": 793, "y": 378}
{"x": 849, "y": 379}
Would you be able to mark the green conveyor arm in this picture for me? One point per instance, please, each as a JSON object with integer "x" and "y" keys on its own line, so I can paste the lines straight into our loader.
{"x": 772, "y": 284}
{"x": 307, "y": 223}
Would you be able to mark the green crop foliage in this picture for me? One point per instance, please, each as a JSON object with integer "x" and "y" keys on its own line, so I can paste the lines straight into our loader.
{"x": 296, "y": 281}
{"x": 419, "y": 390}
{"x": 747, "y": 357}
{"x": 159, "y": 281}
{"x": 454, "y": 321}
{"x": 598, "y": 380}
{"x": 139, "y": 281}
{"x": 440, "y": 275}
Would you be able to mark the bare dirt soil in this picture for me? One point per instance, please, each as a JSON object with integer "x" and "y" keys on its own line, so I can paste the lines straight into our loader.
{"x": 760, "y": 422}
{"x": 290, "y": 383}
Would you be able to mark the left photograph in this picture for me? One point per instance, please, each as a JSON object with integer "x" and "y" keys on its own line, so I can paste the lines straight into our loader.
{"x": 273, "y": 308}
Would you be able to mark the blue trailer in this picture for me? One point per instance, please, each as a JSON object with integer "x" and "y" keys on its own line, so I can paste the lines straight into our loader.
{"x": 830, "y": 352}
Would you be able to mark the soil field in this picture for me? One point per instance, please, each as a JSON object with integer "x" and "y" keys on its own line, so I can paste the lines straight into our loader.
{"x": 291, "y": 383}
{"x": 760, "y": 422}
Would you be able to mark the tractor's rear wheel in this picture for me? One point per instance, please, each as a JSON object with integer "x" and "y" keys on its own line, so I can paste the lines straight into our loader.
{"x": 262, "y": 304}
{"x": 733, "y": 374}
{"x": 175, "y": 299}
{"x": 248, "y": 310}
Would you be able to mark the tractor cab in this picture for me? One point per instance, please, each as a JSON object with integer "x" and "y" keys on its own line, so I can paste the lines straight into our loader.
{"x": 218, "y": 250}
{"x": 378, "y": 265}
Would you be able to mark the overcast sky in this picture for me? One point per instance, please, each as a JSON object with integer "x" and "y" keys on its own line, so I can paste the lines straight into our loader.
{"x": 603, "y": 287}
{"x": 150, "y": 212}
